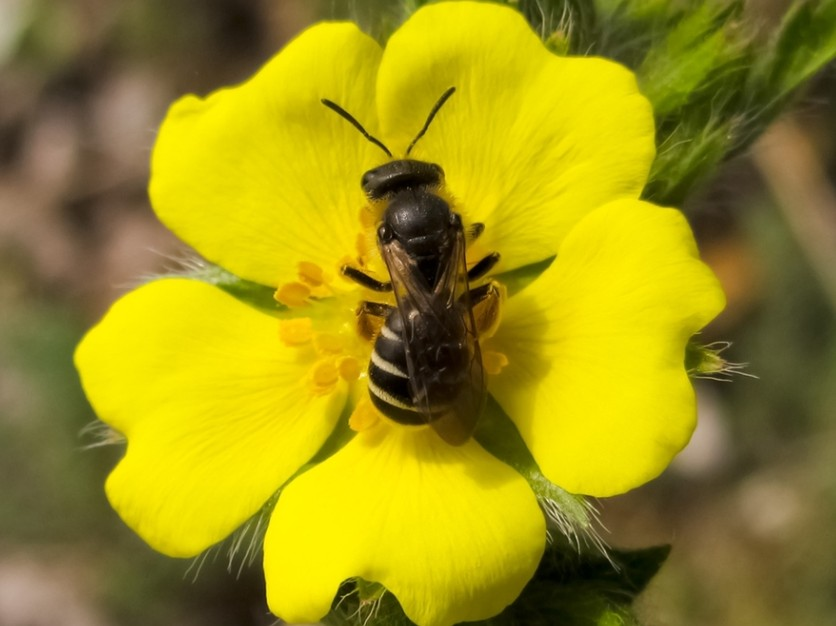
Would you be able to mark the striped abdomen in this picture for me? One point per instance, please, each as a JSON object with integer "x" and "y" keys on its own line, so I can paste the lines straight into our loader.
{"x": 389, "y": 386}
{"x": 441, "y": 362}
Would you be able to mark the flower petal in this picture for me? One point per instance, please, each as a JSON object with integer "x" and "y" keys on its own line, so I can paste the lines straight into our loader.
{"x": 214, "y": 407}
{"x": 530, "y": 141}
{"x": 596, "y": 381}
{"x": 262, "y": 176}
{"x": 454, "y": 533}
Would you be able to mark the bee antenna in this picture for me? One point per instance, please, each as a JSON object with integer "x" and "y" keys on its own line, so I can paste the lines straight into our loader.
{"x": 444, "y": 97}
{"x": 350, "y": 119}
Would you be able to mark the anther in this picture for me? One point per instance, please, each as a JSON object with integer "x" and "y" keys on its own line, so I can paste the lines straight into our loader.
{"x": 363, "y": 417}
{"x": 292, "y": 294}
{"x": 328, "y": 343}
{"x": 493, "y": 362}
{"x": 324, "y": 376}
{"x": 349, "y": 368}
{"x": 295, "y": 332}
{"x": 311, "y": 274}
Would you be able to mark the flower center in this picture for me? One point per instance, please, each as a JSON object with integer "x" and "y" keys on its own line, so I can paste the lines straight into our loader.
{"x": 346, "y": 339}
{"x": 326, "y": 338}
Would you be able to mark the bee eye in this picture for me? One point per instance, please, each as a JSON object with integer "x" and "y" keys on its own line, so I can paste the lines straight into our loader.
{"x": 370, "y": 184}
{"x": 385, "y": 234}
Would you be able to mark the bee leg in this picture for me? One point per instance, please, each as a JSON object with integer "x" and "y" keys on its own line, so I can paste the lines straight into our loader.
{"x": 483, "y": 267}
{"x": 370, "y": 317}
{"x": 484, "y": 302}
{"x": 375, "y": 309}
{"x": 364, "y": 280}
{"x": 474, "y": 230}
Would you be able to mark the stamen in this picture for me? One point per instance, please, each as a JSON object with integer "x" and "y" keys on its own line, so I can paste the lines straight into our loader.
{"x": 296, "y": 332}
{"x": 324, "y": 376}
{"x": 493, "y": 362}
{"x": 328, "y": 343}
{"x": 311, "y": 274}
{"x": 292, "y": 294}
{"x": 349, "y": 368}
{"x": 363, "y": 417}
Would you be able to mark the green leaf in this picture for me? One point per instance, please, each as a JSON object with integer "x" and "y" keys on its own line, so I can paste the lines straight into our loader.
{"x": 691, "y": 146}
{"x": 806, "y": 42}
{"x": 585, "y": 588}
{"x": 714, "y": 81}
{"x": 689, "y": 58}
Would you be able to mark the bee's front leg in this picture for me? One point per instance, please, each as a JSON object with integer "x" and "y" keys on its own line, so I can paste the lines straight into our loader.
{"x": 364, "y": 280}
{"x": 483, "y": 267}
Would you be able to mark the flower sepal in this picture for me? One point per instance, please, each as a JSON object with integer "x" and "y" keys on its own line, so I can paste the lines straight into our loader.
{"x": 249, "y": 292}
{"x": 707, "y": 361}
{"x": 569, "y": 515}
{"x": 571, "y": 587}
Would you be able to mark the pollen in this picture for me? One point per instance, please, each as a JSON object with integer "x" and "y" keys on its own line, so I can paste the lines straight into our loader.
{"x": 349, "y": 368}
{"x": 363, "y": 417}
{"x": 295, "y": 332}
{"x": 292, "y": 294}
{"x": 487, "y": 313}
{"x": 324, "y": 376}
{"x": 329, "y": 343}
{"x": 311, "y": 274}
{"x": 493, "y": 362}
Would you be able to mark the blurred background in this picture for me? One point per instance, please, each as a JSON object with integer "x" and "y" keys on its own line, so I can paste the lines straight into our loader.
{"x": 750, "y": 506}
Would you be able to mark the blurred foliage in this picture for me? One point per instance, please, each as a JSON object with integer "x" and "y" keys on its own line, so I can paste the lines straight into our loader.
{"x": 716, "y": 75}
{"x": 753, "y": 527}
{"x": 569, "y": 588}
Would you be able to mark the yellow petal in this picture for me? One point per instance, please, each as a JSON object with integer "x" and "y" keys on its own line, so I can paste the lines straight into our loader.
{"x": 261, "y": 177}
{"x": 530, "y": 142}
{"x": 596, "y": 380}
{"x": 451, "y": 531}
{"x": 216, "y": 410}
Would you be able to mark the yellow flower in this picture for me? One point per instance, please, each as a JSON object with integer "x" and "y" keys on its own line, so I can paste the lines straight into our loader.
{"x": 222, "y": 403}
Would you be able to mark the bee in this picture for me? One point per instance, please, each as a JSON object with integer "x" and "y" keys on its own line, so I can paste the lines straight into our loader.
{"x": 426, "y": 365}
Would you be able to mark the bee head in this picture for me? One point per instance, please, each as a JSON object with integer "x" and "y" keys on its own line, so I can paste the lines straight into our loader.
{"x": 395, "y": 176}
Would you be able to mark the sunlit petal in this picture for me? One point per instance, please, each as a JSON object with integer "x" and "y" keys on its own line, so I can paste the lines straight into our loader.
{"x": 216, "y": 410}
{"x": 531, "y": 142}
{"x": 596, "y": 381}
{"x": 262, "y": 176}
{"x": 451, "y": 531}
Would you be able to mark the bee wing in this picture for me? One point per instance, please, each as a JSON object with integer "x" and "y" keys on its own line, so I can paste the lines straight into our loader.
{"x": 442, "y": 347}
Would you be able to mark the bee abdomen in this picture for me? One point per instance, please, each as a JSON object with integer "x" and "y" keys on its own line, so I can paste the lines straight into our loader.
{"x": 389, "y": 385}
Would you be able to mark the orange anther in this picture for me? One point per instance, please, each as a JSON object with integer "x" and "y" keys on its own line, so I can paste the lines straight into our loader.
{"x": 295, "y": 332}
{"x": 311, "y": 274}
{"x": 324, "y": 376}
{"x": 328, "y": 343}
{"x": 363, "y": 417}
{"x": 349, "y": 368}
{"x": 292, "y": 294}
{"x": 493, "y": 362}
